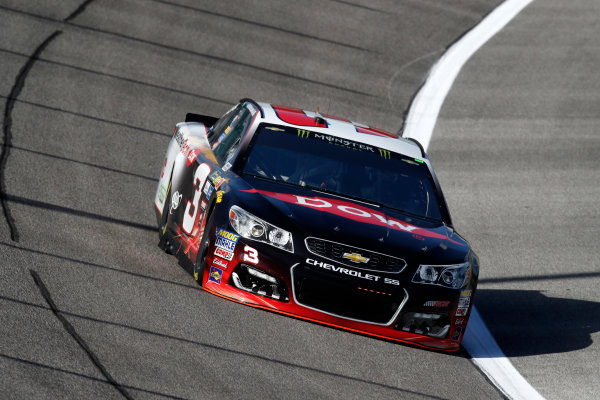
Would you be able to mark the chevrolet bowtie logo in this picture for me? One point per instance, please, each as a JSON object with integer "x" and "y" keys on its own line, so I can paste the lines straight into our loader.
{"x": 356, "y": 258}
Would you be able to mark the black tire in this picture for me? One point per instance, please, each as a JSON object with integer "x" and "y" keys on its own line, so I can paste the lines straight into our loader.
{"x": 200, "y": 263}
{"x": 162, "y": 227}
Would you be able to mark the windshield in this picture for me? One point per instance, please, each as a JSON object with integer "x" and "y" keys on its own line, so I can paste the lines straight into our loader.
{"x": 343, "y": 167}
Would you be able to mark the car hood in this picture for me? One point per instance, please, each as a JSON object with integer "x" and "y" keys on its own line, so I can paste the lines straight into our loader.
{"x": 313, "y": 213}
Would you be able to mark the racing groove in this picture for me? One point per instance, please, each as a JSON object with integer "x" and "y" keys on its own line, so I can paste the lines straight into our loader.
{"x": 90, "y": 308}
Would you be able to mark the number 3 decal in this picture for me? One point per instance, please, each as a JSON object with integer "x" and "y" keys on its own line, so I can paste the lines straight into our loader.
{"x": 250, "y": 255}
{"x": 191, "y": 210}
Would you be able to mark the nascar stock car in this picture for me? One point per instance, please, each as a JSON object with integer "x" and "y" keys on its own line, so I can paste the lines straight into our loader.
{"x": 316, "y": 217}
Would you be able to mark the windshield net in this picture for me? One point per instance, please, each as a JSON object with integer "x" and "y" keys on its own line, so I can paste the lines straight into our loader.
{"x": 343, "y": 167}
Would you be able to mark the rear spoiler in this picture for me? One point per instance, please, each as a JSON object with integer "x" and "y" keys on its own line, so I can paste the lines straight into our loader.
{"x": 205, "y": 119}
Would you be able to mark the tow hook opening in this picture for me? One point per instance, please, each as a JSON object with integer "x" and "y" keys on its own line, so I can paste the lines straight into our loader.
{"x": 253, "y": 280}
{"x": 434, "y": 325}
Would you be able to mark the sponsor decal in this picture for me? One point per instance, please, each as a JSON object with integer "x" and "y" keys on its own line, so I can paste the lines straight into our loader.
{"x": 220, "y": 196}
{"x": 385, "y": 154}
{"x": 250, "y": 255}
{"x": 274, "y": 128}
{"x": 220, "y": 263}
{"x": 179, "y": 139}
{"x": 216, "y": 179}
{"x": 345, "y": 143}
{"x": 303, "y": 133}
{"x": 226, "y": 254}
{"x": 225, "y": 244}
{"x": 228, "y": 235}
{"x": 464, "y": 301}
{"x": 175, "y": 201}
{"x": 185, "y": 148}
{"x": 351, "y": 272}
{"x": 191, "y": 157}
{"x": 355, "y": 258}
{"x": 227, "y": 166}
{"x": 226, "y": 240}
{"x": 203, "y": 205}
{"x": 459, "y": 321}
{"x": 434, "y": 303}
{"x": 208, "y": 189}
{"x": 466, "y": 293}
{"x": 456, "y": 334}
{"x": 461, "y": 312}
{"x": 215, "y": 275}
{"x": 411, "y": 162}
{"x": 418, "y": 237}
{"x": 162, "y": 194}
{"x": 162, "y": 173}
{"x": 355, "y": 212}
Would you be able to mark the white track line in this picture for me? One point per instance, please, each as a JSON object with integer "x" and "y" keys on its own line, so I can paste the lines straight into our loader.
{"x": 425, "y": 107}
{"x": 419, "y": 124}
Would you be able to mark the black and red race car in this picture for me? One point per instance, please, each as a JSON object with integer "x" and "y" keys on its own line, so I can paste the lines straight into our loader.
{"x": 319, "y": 218}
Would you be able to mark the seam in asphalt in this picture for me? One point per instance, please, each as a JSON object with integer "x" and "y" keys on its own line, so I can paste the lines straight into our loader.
{"x": 71, "y": 331}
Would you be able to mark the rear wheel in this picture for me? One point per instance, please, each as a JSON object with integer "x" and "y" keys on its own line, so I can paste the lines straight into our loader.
{"x": 162, "y": 228}
{"x": 203, "y": 250}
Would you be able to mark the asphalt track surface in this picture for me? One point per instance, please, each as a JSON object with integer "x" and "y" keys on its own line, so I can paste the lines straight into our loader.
{"x": 517, "y": 149}
{"x": 91, "y": 308}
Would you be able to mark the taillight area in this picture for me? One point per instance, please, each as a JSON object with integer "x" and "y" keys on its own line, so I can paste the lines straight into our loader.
{"x": 253, "y": 280}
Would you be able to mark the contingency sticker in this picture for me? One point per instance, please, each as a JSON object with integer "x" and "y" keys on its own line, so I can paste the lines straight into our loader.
{"x": 226, "y": 254}
{"x": 456, "y": 334}
{"x": 219, "y": 262}
{"x": 215, "y": 275}
{"x": 226, "y": 240}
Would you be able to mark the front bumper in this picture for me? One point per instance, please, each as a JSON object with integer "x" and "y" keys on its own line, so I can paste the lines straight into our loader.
{"x": 373, "y": 304}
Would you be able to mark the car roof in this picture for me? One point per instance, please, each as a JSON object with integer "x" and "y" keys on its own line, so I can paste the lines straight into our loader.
{"x": 339, "y": 127}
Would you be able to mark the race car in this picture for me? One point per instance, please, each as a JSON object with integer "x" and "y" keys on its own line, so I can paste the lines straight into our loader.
{"x": 316, "y": 217}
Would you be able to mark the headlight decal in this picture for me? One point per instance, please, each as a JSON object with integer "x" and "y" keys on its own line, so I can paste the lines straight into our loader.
{"x": 453, "y": 276}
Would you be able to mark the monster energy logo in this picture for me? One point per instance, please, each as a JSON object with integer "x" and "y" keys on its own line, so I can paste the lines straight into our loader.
{"x": 303, "y": 133}
{"x": 385, "y": 153}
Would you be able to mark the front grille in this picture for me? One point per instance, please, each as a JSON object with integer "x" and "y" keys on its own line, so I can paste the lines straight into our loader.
{"x": 346, "y": 298}
{"x": 335, "y": 252}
